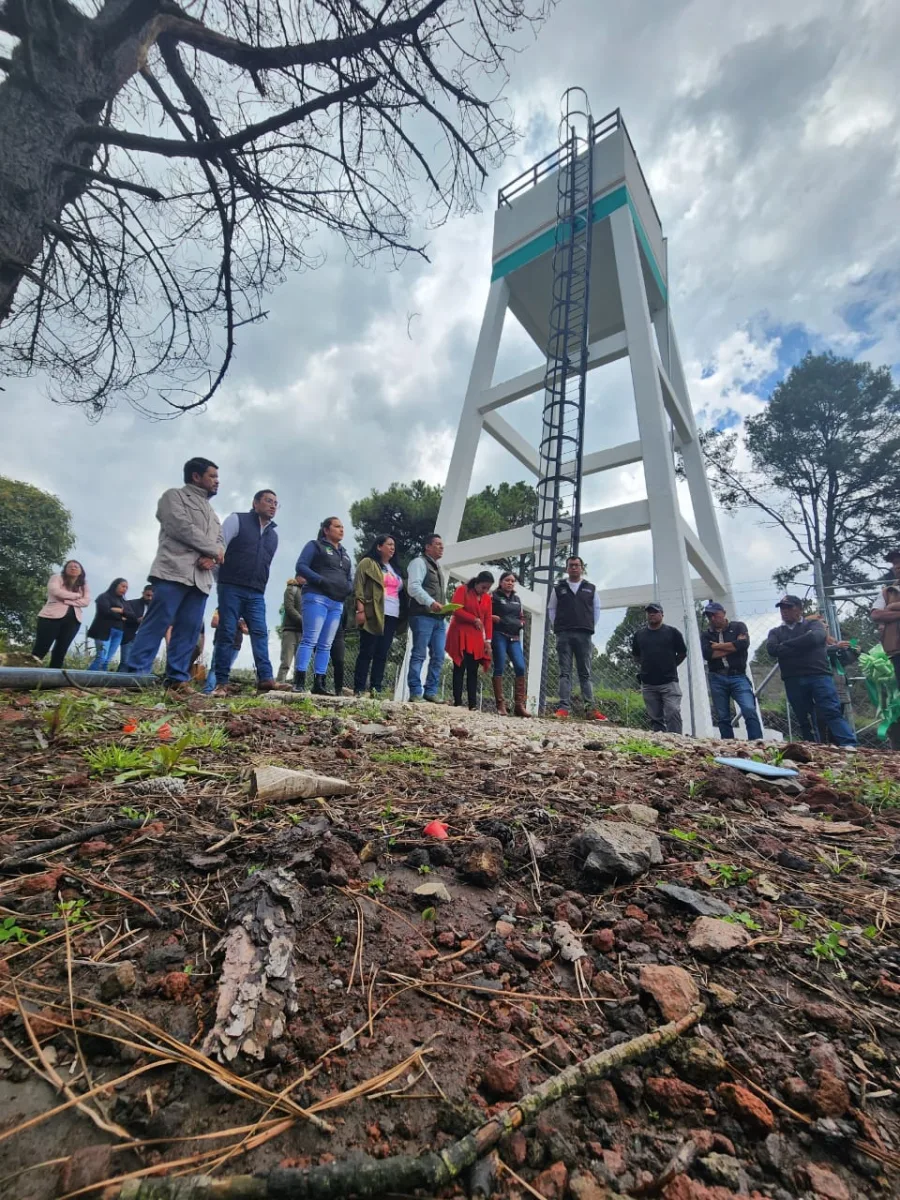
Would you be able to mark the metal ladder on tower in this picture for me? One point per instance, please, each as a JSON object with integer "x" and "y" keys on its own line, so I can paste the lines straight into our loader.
{"x": 558, "y": 518}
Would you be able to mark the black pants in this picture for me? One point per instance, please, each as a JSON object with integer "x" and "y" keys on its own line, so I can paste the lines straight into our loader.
{"x": 337, "y": 659}
{"x": 468, "y": 669}
{"x": 374, "y": 649}
{"x": 896, "y": 661}
{"x": 58, "y": 632}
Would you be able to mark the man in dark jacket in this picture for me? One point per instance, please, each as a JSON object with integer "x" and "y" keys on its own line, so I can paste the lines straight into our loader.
{"x": 725, "y": 645}
{"x": 291, "y": 628}
{"x": 134, "y": 614}
{"x": 250, "y": 544}
{"x": 660, "y": 651}
{"x": 800, "y": 647}
{"x": 573, "y": 611}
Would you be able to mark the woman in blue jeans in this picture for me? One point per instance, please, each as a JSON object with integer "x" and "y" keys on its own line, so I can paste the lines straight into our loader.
{"x": 108, "y": 625}
{"x": 326, "y": 572}
{"x": 509, "y": 621}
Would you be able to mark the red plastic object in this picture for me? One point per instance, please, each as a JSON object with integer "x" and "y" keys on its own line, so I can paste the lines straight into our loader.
{"x": 164, "y": 733}
{"x": 436, "y": 829}
{"x": 130, "y": 727}
{"x": 561, "y": 713}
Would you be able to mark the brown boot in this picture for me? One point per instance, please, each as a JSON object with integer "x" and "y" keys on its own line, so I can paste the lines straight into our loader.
{"x": 498, "y": 695}
{"x": 519, "y": 698}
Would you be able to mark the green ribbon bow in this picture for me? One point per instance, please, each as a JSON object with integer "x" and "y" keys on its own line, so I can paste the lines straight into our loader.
{"x": 881, "y": 684}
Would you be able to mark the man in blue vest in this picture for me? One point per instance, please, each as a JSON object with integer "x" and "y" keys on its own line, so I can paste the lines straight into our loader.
{"x": 250, "y": 544}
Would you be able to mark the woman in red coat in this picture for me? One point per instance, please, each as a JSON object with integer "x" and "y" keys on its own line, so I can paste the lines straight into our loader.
{"x": 469, "y": 635}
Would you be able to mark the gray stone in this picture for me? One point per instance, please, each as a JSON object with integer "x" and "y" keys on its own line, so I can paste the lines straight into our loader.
{"x": 712, "y": 939}
{"x": 119, "y": 982}
{"x": 695, "y": 902}
{"x": 639, "y": 814}
{"x": 724, "y": 1170}
{"x": 433, "y": 892}
{"x": 616, "y": 850}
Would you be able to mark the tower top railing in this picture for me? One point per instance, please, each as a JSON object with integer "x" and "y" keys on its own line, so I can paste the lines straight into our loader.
{"x": 557, "y": 158}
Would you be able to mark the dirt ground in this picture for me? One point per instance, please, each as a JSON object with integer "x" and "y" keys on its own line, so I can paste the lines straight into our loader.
{"x": 220, "y": 983}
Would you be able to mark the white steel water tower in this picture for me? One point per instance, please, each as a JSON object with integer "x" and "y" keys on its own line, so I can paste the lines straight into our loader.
{"x": 579, "y": 259}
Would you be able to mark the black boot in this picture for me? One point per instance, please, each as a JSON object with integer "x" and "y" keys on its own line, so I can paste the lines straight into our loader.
{"x": 299, "y": 681}
{"x": 318, "y": 687}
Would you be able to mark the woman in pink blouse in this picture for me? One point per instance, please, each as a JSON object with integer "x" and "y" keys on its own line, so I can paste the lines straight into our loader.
{"x": 60, "y": 618}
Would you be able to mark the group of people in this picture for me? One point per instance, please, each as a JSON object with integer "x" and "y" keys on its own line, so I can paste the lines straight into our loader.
{"x": 484, "y": 630}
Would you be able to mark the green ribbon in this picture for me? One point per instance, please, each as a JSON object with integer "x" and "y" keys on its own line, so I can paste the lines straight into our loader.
{"x": 881, "y": 684}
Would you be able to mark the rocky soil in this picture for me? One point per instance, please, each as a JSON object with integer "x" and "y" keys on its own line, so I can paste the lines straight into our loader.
{"x": 216, "y": 983}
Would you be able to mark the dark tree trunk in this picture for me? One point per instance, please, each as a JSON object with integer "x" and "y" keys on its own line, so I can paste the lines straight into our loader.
{"x": 65, "y": 70}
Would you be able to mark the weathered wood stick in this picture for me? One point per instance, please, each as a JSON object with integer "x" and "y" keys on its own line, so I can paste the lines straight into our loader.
{"x": 404, "y": 1173}
{"x": 272, "y": 784}
{"x": 39, "y": 849}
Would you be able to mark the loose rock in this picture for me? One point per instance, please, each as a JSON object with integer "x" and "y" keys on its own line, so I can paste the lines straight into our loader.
{"x": 674, "y": 1095}
{"x": 712, "y": 939}
{"x": 753, "y": 1113}
{"x": 696, "y": 902}
{"x": 502, "y": 1077}
{"x": 118, "y": 982}
{"x": 616, "y": 850}
{"x": 482, "y": 862}
{"x": 432, "y": 892}
{"x": 672, "y": 988}
{"x": 826, "y": 1183}
{"x": 638, "y": 814}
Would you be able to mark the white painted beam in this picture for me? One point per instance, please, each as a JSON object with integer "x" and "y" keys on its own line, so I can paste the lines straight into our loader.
{"x": 601, "y": 523}
{"x": 643, "y": 593}
{"x": 607, "y": 460}
{"x": 607, "y": 350}
{"x": 684, "y": 426}
{"x": 513, "y": 441}
{"x": 703, "y": 562}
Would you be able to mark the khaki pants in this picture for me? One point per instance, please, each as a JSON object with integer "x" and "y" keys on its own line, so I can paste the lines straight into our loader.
{"x": 290, "y": 640}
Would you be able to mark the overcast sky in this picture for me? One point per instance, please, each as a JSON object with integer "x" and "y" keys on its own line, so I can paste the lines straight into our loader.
{"x": 769, "y": 137}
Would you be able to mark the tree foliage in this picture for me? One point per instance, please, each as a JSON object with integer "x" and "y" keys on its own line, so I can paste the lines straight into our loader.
{"x": 35, "y": 537}
{"x": 409, "y": 511}
{"x": 163, "y": 164}
{"x": 824, "y": 464}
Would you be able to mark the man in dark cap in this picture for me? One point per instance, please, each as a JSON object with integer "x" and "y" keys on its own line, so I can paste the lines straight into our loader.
{"x": 799, "y": 645}
{"x": 725, "y": 645}
{"x": 660, "y": 651}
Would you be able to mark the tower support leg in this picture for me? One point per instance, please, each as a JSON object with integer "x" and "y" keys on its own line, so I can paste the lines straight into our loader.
{"x": 675, "y": 588}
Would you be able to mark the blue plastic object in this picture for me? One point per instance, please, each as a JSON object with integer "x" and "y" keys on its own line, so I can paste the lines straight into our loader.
{"x": 758, "y": 768}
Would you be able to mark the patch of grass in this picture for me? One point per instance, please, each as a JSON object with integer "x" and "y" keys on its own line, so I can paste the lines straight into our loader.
{"x": 241, "y": 704}
{"x": 644, "y": 747}
{"x": 376, "y": 885}
{"x": 114, "y": 758}
{"x": 73, "y": 912}
{"x": 75, "y": 714}
{"x": 410, "y": 757}
{"x": 865, "y": 786}
{"x": 840, "y": 860}
{"x": 134, "y": 814}
{"x": 366, "y": 710}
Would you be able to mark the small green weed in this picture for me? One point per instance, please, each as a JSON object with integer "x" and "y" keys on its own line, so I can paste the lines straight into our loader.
{"x": 828, "y": 949}
{"x": 413, "y": 756}
{"x": 428, "y": 914}
{"x": 685, "y": 835}
{"x": 731, "y": 876}
{"x": 188, "y": 969}
{"x": 74, "y": 912}
{"x": 694, "y": 789}
{"x": 376, "y": 885}
{"x": 800, "y": 921}
{"x": 253, "y": 868}
{"x": 12, "y": 931}
{"x": 338, "y": 940}
{"x": 743, "y": 918}
{"x": 134, "y": 814}
{"x": 841, "y": 860}
{"x": 75, "y": 714}
{"x": 424, "y": 869}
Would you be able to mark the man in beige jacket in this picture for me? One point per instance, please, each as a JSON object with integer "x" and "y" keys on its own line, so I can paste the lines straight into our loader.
{"x": 190, "y": 545}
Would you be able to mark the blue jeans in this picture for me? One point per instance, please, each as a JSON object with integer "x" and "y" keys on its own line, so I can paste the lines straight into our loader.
{"x": 814, "y": 698}
{"x": 181, "y": 606}
{"x": 321, "y": 618}
{"x": 125, "y": 655}
{"x": 429, "y": 635}
{"x": 210, "y": 683}
{"x": 501, "y": 645}
{"x": 106, "y": 651}
{"x": 722, "y": 688}
{"x": 236, "y": 602}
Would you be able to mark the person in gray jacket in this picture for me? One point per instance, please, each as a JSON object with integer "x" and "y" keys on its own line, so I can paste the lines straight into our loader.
{"x": 190, "y": 545}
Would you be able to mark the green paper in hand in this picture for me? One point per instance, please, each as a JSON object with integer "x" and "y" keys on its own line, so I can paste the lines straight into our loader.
{"x": 447, "y": 610}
